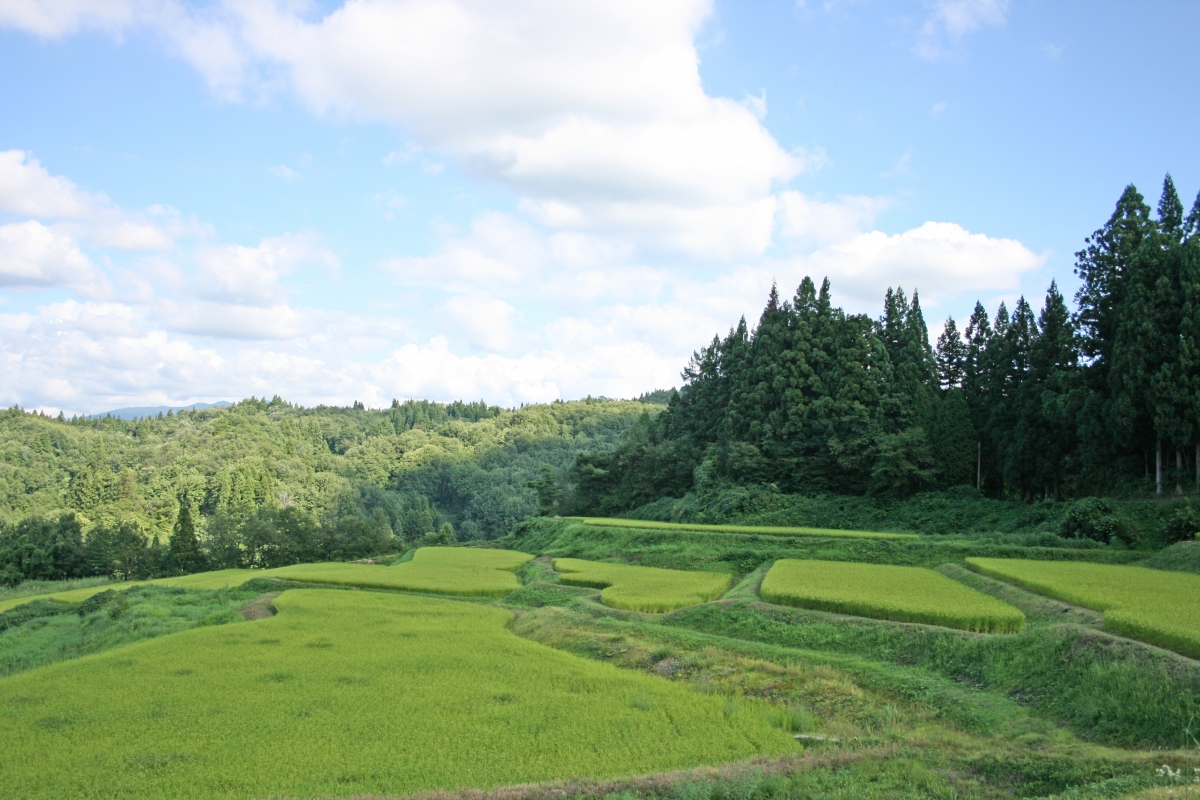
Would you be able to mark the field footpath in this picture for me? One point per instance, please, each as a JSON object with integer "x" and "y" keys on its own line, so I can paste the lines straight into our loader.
{"x": 659, "y": 784}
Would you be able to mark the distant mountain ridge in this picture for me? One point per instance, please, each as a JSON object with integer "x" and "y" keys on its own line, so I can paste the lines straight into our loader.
{"x": 137, "y": 412}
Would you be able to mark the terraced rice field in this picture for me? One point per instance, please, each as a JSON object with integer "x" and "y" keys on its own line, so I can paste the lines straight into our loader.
{"x": 459, "y": 571}
{"x": 745, "y": 529}
{"x": 440, "y": 570}
{"x": 1162, "y": 608}
{"x": 348, "y": 693}
{"x": 907, "y": 594}
{"x": 643, "y": 588}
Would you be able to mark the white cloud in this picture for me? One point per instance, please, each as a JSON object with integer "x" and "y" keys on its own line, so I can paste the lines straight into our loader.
{"x": 810, "y": 220}
{"x": 26, "y": 188}
{"x": 596, "y": 106}
{"x": 250, "y": 275}
{"x": 61, "y": 17}
{"x": 285, "y": 172}
{"x": 33, "y": 255}
{"x": 939, "y": 258}
{"x": 487, "y": 322}
{"x": 757, "y": 104}
{"x": 235, "y": 320}
{"x": 951, "y": 20}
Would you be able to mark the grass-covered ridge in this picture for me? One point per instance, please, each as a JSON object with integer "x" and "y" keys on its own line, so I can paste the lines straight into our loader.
{"x": 907, "y": 594}
{"x": 461, "y": 571}
{"x": 1155, "y": 606}
{"x": 760, "y": 530}
{"x": 309, "y": 703}
{"x": 44, "y": 631}
{"x": 643, "y": 588}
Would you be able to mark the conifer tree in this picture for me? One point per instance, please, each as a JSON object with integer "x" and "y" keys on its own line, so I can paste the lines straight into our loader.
{"x": 954, "y": 441}
{"x": 184, "y": 546}
{"x": 951, "y": 357}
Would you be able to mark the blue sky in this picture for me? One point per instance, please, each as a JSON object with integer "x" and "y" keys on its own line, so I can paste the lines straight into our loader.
{"x": 527, "y": 200}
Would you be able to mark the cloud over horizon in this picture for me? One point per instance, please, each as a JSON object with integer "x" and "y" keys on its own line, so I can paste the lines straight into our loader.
{"x": 646, "y": 215}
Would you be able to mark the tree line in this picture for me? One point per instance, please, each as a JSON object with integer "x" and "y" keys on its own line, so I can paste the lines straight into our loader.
{"x": 1027, "y": 403}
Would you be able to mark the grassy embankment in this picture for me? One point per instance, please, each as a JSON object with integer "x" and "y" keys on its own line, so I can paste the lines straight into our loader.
{"x": 45, "y": 632}
{"x": 345, "y": 693}
{"x": 907, "y": 594}
{"x": 1150, "y": 605}
{"x": 643, "y": 588}
{"x": 718, "y": 551}
{"x": 756, "y": 530}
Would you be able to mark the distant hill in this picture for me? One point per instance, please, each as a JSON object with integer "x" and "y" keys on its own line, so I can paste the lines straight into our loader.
{"x": 137, "y": 412}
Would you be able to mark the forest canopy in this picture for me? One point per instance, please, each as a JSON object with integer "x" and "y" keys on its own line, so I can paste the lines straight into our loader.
{"x": 1037, "y": 401}
{"x": 266, "y": 483}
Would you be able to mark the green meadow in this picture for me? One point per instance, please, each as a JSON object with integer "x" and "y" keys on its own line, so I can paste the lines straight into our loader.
{"x": 643, "y": 588}
{"x": 345, "y": 693}
{"x": 907, "y": 594}
{"x": 1155, "y": 606}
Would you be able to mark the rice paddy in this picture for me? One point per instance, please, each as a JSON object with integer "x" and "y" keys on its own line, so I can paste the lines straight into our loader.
{"x": 766, "y": 530}
{"x": 440, "y": 570}
{"x": 1162, "y": 608}
{"x": 462, "y": 571}
{"x": 346, "y": 693}
{"x": 906, "y": 594}
{"x": 643, "y": 588}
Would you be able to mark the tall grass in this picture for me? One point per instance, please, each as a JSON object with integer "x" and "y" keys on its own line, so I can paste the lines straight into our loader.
{"x": 45, "y": 632}
{"x": 1162, "y": 608}
{"x": 908, "y": 594}
{"x": 643, "y": 588}
{"x": 350, "y": 693}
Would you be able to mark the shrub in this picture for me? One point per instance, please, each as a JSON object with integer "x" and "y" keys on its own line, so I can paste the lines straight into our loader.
{"x": 1183, "y": 526}
{"x": 1095, "y": 518}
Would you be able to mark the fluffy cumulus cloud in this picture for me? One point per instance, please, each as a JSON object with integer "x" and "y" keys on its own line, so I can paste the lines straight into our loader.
{"x": 528, "y": 95}
{"x": 939, "y": 258}
{"x": 647, "y": 215}
{"x": 33, "y": 255}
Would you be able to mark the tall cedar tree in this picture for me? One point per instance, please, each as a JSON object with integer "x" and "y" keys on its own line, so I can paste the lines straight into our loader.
{"x": 185, "y": 547}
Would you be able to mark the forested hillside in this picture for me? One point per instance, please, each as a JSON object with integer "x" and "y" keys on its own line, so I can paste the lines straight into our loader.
{"x": 264, "y": 483}
{"x": 1027, "y": 403}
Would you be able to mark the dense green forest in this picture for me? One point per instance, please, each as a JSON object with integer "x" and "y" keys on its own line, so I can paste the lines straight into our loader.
{"x": 1024, "y": 404}
{"x": 268, "y": 483}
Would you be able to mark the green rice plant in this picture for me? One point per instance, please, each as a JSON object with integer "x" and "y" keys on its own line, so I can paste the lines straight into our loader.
{"x": 1162, "y": 608}
{"x": 460, "y": 571}
{"x": 349, "y": 694}
{"x": 906, "y": 594}
{"x": 644, "y": 588}
{"x": 749, "y": 529}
